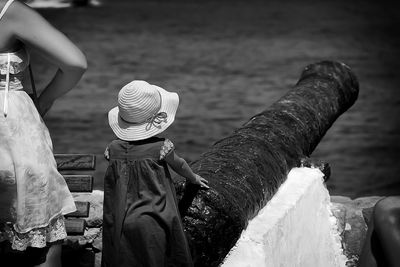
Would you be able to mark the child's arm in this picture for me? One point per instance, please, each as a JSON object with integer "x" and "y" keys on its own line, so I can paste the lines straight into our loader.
{"x": 180, "y": 166}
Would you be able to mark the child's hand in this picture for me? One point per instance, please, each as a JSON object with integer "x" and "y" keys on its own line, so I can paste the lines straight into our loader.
{"x": 201, "y": 181}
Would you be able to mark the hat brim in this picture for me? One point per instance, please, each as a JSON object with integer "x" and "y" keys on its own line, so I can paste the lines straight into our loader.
{"x": 133, "y": 132}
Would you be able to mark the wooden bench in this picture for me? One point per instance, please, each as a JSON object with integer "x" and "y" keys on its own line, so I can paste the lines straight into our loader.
{"x": 76, "y": 171}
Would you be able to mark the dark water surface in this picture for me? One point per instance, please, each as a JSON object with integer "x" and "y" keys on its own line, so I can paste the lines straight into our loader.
{"x": 229, "y": 60}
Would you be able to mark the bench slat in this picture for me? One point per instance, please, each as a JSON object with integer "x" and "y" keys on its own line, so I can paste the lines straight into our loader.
{"x": 82, "y": 210}
{"x": 79, "y": 182}
{"x": 75, "y": 226}
{"x": 75, "y": 161}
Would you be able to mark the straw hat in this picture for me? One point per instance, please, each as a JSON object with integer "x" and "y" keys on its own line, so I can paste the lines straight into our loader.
{"x": 144, "y": 110}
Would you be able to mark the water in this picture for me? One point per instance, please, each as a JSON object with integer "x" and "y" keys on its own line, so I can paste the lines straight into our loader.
{"x": 229, "y": 60}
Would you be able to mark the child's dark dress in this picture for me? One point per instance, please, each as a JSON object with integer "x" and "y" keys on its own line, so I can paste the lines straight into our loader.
{"x": 142, "y": 226}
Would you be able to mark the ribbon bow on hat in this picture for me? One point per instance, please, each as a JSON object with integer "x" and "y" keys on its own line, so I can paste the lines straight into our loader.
{"x": 156, "y": 120}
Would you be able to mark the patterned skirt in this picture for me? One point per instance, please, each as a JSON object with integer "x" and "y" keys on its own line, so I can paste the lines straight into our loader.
{"x": 33, "y": 194}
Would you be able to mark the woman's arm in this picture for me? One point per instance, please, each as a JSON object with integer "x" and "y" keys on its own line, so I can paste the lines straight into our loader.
{"x": 180, "y": 166}
{"x": 34, "y": 31}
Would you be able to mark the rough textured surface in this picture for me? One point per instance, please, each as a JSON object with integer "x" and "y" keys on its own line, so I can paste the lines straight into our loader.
{"x": 75, "y": 161}
{"x": 296, "y": 228}
{"x": 85, "y": 250}
{"x": 246, "y": 168}
{"x": 353, "y": 216}
{"x": 95, "y": 199}
{"x": 323, "y": 166}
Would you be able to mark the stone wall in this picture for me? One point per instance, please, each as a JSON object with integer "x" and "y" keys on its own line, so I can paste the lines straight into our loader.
{"x": 353, "y": 216}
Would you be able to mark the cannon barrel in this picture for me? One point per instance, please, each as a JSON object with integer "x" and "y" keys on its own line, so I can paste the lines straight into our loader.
{"x": 246, "y": 168}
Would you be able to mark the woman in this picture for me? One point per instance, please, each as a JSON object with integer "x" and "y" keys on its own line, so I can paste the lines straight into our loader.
{"x": 33, "y": 195}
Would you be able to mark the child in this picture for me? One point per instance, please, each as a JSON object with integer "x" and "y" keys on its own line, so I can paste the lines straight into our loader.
{"x": 142, "y": 226}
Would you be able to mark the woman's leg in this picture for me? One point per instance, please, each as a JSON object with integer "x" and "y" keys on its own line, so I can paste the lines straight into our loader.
{"x": 367, "y": 257}
{"x": 382, "y": 244}
{"x": 53, "y": 258}
{"x": 387, "y": 227}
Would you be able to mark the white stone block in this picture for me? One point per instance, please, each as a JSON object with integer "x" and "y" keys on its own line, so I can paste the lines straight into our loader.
{"x": 295, "y": 228}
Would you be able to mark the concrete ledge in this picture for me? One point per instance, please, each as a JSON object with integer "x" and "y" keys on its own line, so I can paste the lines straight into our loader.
{"x": 296, "y": 228}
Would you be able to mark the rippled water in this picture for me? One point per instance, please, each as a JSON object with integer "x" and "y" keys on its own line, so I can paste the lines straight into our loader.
{"x": 229, "y": 60}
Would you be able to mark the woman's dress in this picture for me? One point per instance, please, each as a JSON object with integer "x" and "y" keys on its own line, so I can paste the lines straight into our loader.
{"x": 33, "y": 194}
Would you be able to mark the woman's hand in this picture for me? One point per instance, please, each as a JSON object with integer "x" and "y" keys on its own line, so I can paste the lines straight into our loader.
{"x": 203, "y": 183}
{"x": 44, "y": 107}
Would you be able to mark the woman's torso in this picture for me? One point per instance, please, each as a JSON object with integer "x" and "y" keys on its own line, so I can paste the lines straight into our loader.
{"x": 12, "y": 51}
{"x": 19, "y": 62}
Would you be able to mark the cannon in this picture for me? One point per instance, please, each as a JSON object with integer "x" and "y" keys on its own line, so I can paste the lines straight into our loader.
{"x": 246, "y": 168}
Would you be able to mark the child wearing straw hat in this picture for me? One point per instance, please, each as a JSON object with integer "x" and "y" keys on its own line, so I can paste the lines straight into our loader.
{"x": 141, "y": 225}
